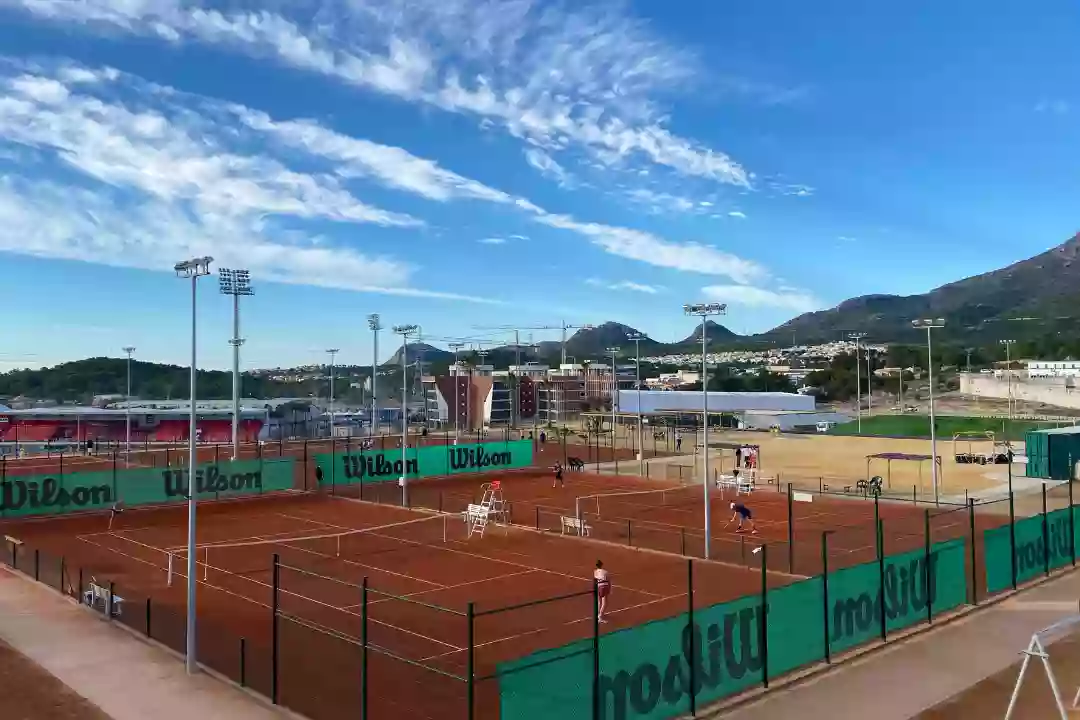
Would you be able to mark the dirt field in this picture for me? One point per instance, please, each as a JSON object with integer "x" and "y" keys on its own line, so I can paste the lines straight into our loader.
{"x": 27, "y": 692}
{"x": 990, "y": 698}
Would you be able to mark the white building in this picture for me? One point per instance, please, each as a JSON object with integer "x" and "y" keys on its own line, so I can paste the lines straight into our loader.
{"x": 1053, "y": 368}
{"x": 691, "y": 401}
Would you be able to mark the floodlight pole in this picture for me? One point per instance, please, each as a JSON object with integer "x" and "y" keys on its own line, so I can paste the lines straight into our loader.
{"x": 614, "y": 395}
{"x": 858, "y": 377}
{"x": 375, "y": 326}
{"x": 127, "y": 410}
{"x": 405, "y": 331}
{"x": 332, "y": 352}
{"x": 930, "y": 324}
{"x": 1008, "y": 369}
{"x": 235, "y": 283}
{"x": 193, "y": 269}
{"x": 704, "y": 310}
{"x": 455, "y": 346}
{"x": 637, "y": 338}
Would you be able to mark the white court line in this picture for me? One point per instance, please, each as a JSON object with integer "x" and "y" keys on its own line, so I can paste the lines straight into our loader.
{"x": 509, "y": 638}
{"x": 265, "y": 585}
{"x": 511, "y": 563}
{"x": 447, "y": 587}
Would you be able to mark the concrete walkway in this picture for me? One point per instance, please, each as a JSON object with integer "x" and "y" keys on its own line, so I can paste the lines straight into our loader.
{"x": 902, "y": 680}
{"x": 128, "y": 678}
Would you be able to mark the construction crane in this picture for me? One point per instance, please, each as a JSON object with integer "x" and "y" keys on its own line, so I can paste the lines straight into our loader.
{"x": 516, "y": 329}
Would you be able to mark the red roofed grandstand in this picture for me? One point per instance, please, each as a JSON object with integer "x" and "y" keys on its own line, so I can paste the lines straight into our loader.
{"x": 106, "y": 426}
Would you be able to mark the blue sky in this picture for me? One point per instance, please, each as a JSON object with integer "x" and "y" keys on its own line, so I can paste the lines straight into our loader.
{"x": 513, "y": 162}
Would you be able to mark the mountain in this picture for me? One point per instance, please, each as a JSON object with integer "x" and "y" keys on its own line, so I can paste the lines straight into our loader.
{"x": 717, "y": 333}
{"x": 593, "y": 342}
{"x": 424, "y": 352}
{"x": 1033, "y": 296}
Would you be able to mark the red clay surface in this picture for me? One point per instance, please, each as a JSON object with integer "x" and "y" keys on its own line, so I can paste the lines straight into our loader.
{"x": 320, "y": 666}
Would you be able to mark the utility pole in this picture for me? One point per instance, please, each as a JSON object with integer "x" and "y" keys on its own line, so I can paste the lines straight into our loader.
{"x": 455, "y": 346}
{"x": 858, "y": 379}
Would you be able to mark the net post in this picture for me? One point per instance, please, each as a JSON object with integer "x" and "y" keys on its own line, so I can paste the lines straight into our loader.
{"x": 470, "y": 660}
{"x": 364, "y": 649}
{"x": 596, "y": 714}
{"x": 825, "y": 591}
{"x": 682, "y": 540}
{"x": 880, "y": 531}
{"x": 274, "y": 630}
{"x": 790, "y": 529}
{"x": 1045, "y": 534}
{"x": 629, "y": 533}
{"x": 690, "y": 630}
{"x": 243, "y": 662}
{"x": 763, "y": 617}
{"x": 37, "y": 565}
{"x": 1012, "y": 537}
{"x": 148, "y": 617}
{"x": 974, "y": 562}
{"x": 926, "y": 567}
{"x": 1072, "y": 521}
{"x": 333, "y": 465}
{"x": 305, "y": 465}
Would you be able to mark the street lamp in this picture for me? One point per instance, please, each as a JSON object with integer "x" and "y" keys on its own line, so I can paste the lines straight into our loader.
{"x": 192, "y": 269}
{"x": 858, "y": 378}
{"x": 704, "y": 311}
{"x": 127, "y": 409}
{"x": 405, "y": 331}
{"x": 235, "y": 283}
{"x": 375, "y": 326}
{"x": 1008, "y": 368}
{"x": 332, "y": 352}
{"x": 637, "y": 338}
{"x": 455, "y": 346}
{"x": 930, "y": 324}
{"x": 613, "y": 351}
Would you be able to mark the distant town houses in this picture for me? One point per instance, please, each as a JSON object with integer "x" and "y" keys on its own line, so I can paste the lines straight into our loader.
{"x": 798, "y": 356}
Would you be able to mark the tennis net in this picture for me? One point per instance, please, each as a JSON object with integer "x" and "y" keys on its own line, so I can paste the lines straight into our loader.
{"x": 255, "y": 555}
{"x": 630, "y": 502}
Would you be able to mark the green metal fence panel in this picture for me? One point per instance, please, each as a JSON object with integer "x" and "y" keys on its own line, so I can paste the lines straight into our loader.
{"x": 46, "y": 494}
{"x": 371, "y": 466}
{"x": 1036, "y": 447}
{"x": 949, "y": 576}
{"x": 1031, "y": 549}
{"x": 796, "y": 625}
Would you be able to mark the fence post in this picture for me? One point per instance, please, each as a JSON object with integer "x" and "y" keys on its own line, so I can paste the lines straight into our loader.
{"x": 276, "y": 583}
{"x": 682, "y": 541}
{"x": 1045, "y": 534}
{"x": 926, "y": 568}
{"x": 1012, "y": 538}
{"x": 537, "y": 517}
{"x": 974, "y": 573}
{"x": 790, "y": 531}
{"x": 763, "y": 618}
{"x": 880, "y": 531}
{"x": 109, "y": 603}
{"x": 115, "y": 497}
{"x": 595, "y": 650}
{"x": 691, "y": 631}
{"x": 364, "y": 649}
{"x": 305, "y": 465}
{"x": 629, "y": 533}
{"x": 333, "y": 466}
{"x": 243, "y": 662}
{"x": 37, "y": 565}
{"x": 1072, "y": 526}
{"x": 470, "y": 613}
{"x": 148, "y": 634}
{"x": 825, "y": 590}
{"x": 63, "y": 571}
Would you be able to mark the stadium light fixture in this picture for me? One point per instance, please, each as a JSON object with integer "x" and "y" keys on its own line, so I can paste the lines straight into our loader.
{"x": 930, "y": 324}
{"x": 613, "y": 351}
{"x": 236, "y": 283}
{"x": 374, "y": 324}
{"x": 192, "y": 270}
{"x": 637, "y": 338}
{"x": 406, "y": 332}
{"x": 704, "y": 311}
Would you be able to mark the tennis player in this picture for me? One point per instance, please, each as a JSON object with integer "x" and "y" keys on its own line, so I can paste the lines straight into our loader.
{"x": 603, "y": 589}
{"x": 742, "y": 513}
{"x": 558, "y": 476}
{"x": 116, "y": 509}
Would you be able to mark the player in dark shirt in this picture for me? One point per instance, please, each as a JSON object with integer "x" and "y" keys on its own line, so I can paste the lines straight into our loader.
{"x": 742, "y": 513}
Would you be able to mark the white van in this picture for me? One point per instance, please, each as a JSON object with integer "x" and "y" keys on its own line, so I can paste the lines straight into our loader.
{"x": 825, "y": 426}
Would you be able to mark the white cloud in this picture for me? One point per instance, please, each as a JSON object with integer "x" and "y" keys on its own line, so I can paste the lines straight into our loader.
{"x": 624, "y": 285}
{"x": 554, "y": 74}
{"x": 1053, "y": 107}
{"x": 548, "y": 167}
{"x": 846, "y": 238}
{"x": 648, "y": 248}
{"x": 737, "y": 214}
{"x": 492, "y": 241}
{"x": 659, "y": 202}
{"x": 783, "y": 297}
